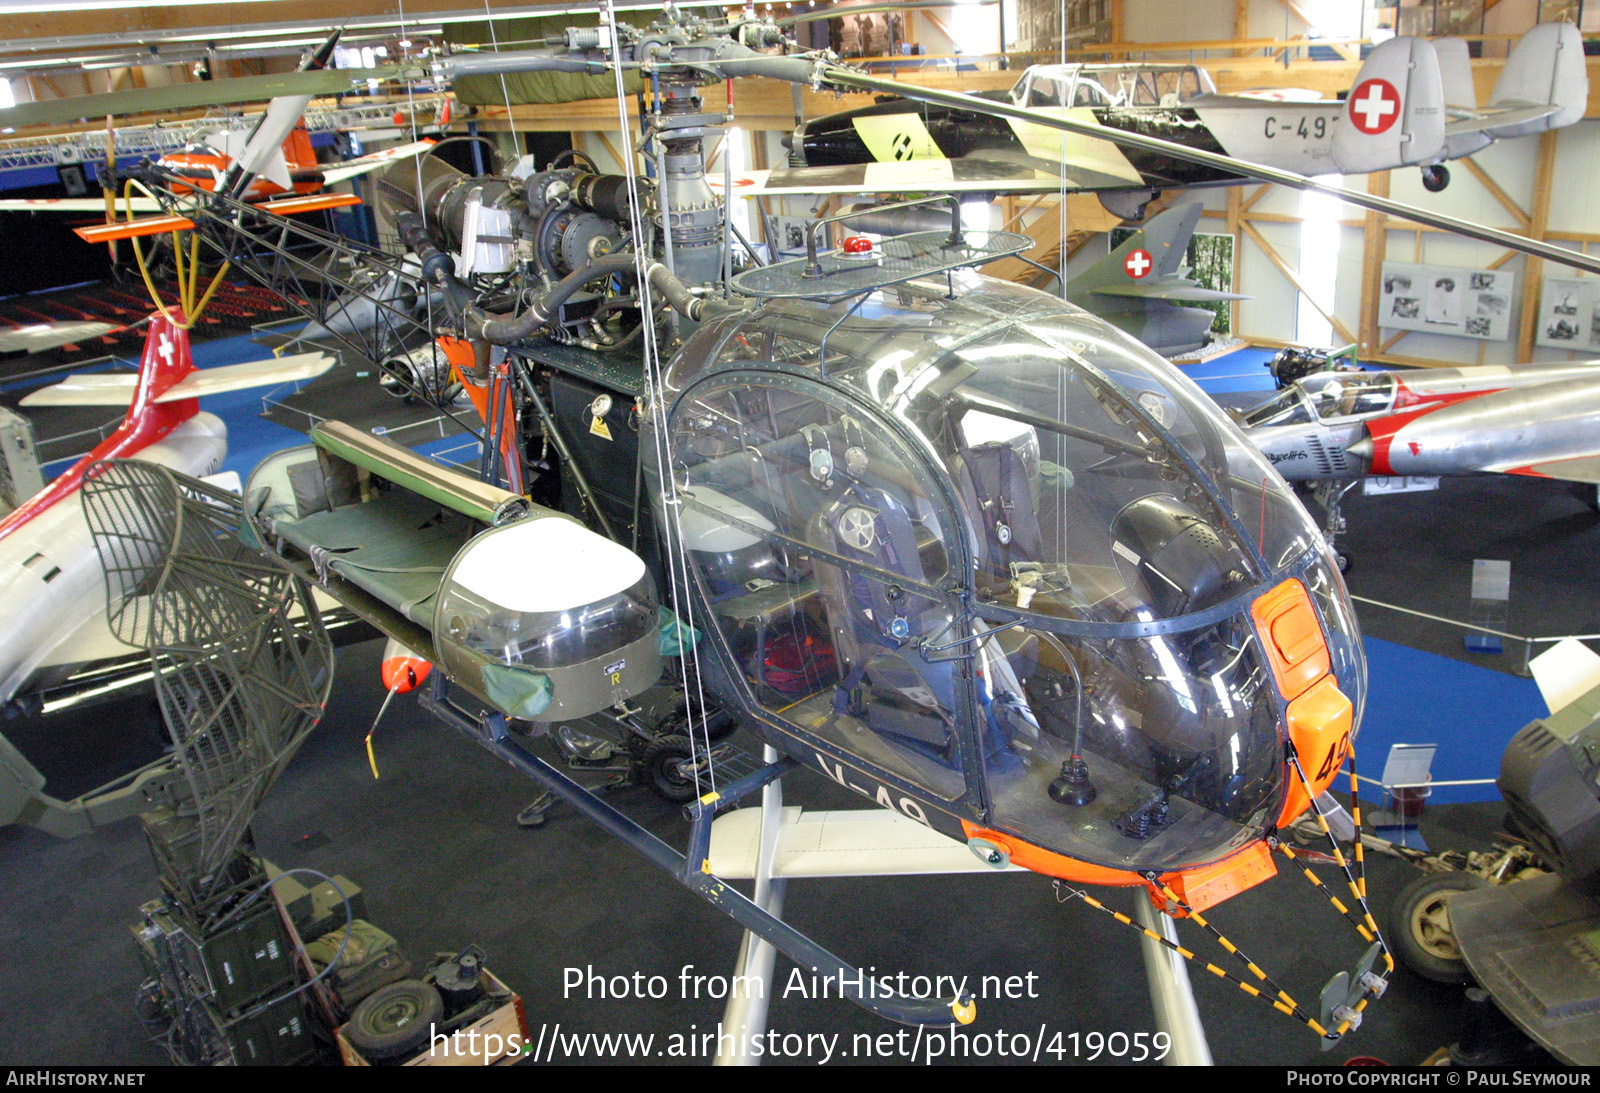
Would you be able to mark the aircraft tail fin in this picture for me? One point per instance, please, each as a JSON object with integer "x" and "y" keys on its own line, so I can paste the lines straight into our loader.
{"x": 1455, "y": 73}
{"x": 297, "y": 150}
{"x": 1155, "y": 250}
{"x": 1460, "y": 97}
{"x": 1546, "y": 67}
{"x": 166, "y": 361}
{"x": 1395, "y": 113}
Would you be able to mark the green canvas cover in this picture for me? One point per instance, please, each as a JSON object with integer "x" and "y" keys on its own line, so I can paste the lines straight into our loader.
{"x": 534, "y": 87}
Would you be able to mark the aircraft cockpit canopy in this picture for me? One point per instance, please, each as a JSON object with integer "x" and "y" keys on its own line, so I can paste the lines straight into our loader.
{"x": 963, "y": 535}
{"x": 1111, "y": 85}
{"x": 1343, "y": 394}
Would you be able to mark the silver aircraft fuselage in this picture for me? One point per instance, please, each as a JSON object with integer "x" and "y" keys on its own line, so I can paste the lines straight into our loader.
{"x": 1541, "y": 420}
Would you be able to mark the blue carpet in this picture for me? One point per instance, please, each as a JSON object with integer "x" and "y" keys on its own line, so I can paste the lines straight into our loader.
{"x": 1242, "y": 370}
{"x": 1423, "y": 698}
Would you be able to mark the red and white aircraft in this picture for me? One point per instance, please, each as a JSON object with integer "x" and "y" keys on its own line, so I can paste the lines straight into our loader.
{"x": 52, "y": 594}
{"x": 1541, "y": 420}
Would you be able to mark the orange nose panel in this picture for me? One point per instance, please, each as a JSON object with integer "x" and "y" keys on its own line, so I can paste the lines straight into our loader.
{"x": 1292, "y": 637}
{"x": 1319, "y": 729}
{"x": 403, "y": 673}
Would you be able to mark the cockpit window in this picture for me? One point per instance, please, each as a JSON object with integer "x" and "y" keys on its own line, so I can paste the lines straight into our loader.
{"x": 1045, "y": 91}
{"x": 1343, "y": 394}
{"x": 1287, "y": 407}
{"x": 1088, "y": 93}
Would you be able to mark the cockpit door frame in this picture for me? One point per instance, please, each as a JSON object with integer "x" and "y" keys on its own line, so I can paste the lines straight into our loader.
{"x": 954, "y": 587}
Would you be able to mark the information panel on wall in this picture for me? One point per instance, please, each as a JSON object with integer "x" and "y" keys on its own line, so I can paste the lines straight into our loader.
{"x": 1569, "y": 314}
{"x": 1464, "y": 303}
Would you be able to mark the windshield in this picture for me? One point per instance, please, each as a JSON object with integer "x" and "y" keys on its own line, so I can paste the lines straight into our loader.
{"x": 1287, "y": 407}
{"x": 1343, "y": 394}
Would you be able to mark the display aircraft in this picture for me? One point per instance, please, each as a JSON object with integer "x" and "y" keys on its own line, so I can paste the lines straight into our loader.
{"x": 52, "y": 580}
{"x": 1334, "y": 428}
{"x": 274, "y": 158}
{"x": 1412, "y": 104}
{"x": 50, "y": 591}
{"x": 204, "y": 163}
{"x": 1142, "y": 286}
{"x": 995, "y": 579}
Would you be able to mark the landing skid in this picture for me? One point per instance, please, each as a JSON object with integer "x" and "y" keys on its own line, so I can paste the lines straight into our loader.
{"x": 775, "y": 844}
{"x": 693, "y": 869}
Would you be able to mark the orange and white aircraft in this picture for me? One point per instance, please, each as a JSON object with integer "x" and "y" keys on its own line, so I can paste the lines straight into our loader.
{"x": 204, "y": 165}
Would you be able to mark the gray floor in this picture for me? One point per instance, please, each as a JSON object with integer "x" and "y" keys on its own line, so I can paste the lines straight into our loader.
{"x": 436, "y": 848}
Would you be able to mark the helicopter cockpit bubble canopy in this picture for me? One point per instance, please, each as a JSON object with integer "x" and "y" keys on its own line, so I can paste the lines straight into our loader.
{"x": 984, "y": 535}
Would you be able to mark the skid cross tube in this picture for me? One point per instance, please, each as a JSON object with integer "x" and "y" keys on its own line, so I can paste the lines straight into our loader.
{"x": 493, "y": 734}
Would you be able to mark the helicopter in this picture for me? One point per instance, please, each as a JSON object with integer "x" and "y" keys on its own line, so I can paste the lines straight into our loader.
{"x": 955, "y": 544}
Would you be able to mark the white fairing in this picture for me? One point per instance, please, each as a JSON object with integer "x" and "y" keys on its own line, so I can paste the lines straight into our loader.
{"x": 704, "y": 532}
{"x": 51, "y": 581}
{"x": 546, "y": 564}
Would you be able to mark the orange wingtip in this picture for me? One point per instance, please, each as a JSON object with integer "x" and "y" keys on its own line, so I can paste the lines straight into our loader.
{"x": 127, "y": 229}
{"x": 309, "y": 203}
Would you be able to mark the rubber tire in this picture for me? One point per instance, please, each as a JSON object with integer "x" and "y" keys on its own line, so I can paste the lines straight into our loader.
{"x": 1419, "y": 927}
{"x": 660, "y": 759}
{"x": 1344, "y": 561}
{"x": 1435, "y": 178}
{"x": 373, "y": 1031}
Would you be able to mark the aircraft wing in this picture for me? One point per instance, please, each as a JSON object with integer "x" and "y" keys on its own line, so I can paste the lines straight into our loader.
{"x": 1577, "y": 468}
{"x": 158, "y": 225}
{"x": 970, "y": 174}
{"x": 1168, "y": 288}
{"x": 1477, "y": 121}
{"x": 349, "y": 169}
{"x": 190, "y": 96}
{"x": 237, "y": 377}
{"x": 76, "y": 204}
{"x": 42, "y": 336}
{"x": 116, "y": 388}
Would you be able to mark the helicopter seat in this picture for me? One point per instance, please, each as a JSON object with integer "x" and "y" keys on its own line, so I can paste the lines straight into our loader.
{"x": 878, "y": 625}
{"x": 999, "y": 498}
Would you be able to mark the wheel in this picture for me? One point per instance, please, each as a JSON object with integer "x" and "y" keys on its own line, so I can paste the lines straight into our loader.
{"x": 1344, "y": 561}
{"x": 1435, "y": 178}
{"x": 1420, "y": 926}
{"x": 394, "y": 1021}
{"x": 662, "y": 760}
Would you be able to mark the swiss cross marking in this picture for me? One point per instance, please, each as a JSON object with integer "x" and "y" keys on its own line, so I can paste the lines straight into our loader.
{"x": 1374, "y": 106}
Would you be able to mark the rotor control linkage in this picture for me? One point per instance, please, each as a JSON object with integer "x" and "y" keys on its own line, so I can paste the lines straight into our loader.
{"x": 693, "y": 870}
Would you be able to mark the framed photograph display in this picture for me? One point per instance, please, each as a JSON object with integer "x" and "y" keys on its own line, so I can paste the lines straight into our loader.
{"x": 1464, "y": 303}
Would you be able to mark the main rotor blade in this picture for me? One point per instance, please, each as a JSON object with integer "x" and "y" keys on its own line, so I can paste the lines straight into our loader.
{"x": 848, "y": 77}
{"x": 189, "y": 96}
